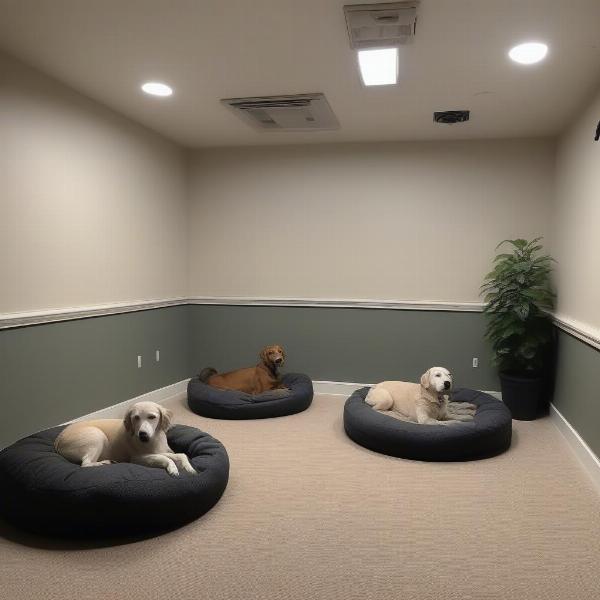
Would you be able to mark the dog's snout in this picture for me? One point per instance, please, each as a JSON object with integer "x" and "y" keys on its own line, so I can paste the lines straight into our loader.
{"x": 144, "y": 437}
{"x": 446, "y": 385}
{"x": 279, "y": 360}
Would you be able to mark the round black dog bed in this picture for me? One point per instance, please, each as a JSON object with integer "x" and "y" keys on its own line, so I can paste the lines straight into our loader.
{"x": 211, "y": 402}
{"x": 487, "y": 435}
{"x": 43, "y": 492}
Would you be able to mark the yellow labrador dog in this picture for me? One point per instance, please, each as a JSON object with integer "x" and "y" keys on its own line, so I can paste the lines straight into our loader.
{"x": 139, "y": 438}
{"x": 425, "y": 403}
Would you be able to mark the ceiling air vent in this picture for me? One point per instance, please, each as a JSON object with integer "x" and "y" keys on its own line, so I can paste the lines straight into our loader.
{"x": 285, "y": 113}
{"x": 451, "y": 116}
{"x": 381, "y": 25}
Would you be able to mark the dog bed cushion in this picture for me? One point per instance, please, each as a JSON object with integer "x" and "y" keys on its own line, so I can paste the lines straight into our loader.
{"x": 208, "y": 401}
{"x": 45, "y": 493}
{"x": 487, "y": 435}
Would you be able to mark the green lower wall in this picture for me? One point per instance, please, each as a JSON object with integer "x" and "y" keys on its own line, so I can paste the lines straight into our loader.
{"x": 576, "y": 393}
{"x": 345, "y": 344}
{"x": 58, "y": 371}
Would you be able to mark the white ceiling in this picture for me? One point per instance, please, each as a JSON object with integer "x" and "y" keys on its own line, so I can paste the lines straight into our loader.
{"x": 212, "y": 49}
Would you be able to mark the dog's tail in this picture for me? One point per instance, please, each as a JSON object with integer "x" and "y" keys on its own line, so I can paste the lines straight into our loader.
{"x": 206, "y": 374}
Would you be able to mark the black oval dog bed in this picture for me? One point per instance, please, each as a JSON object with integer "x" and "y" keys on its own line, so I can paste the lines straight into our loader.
{"x": 487, "y": 435}
{"x": 43, "y": 492}
{"x": 211, "y": 402}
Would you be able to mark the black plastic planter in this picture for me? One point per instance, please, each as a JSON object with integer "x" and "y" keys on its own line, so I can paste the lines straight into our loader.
{"x": 522, "y": 395}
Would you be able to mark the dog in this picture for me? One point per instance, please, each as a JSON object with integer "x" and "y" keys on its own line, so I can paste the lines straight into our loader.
{"x": 425, "y": 403}
{"x": 263, "y": 377}
{"x": 140, "y": 437}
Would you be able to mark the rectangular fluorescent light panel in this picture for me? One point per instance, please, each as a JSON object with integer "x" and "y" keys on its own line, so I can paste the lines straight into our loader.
{"x": 379, "y": 67}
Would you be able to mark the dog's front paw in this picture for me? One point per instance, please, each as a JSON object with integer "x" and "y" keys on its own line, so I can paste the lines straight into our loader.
{"x": 189, "y": 469}
{"x": 172, "y": 471}
{"x": 462, "y": 408}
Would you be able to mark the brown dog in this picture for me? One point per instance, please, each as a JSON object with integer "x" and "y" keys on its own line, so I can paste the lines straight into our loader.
{"x": 252, "y": 380}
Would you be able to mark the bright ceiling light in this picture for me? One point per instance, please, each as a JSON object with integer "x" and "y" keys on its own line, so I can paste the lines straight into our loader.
{"x": 155, "y": 88}
{"x": 379, "y": 67}
{"x": 528, "y": 54}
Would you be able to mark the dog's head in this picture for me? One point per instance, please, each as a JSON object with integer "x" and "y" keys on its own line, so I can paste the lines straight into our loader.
{"x": 144, "y": 419}
{"x": 437, "y": 379}
{"x": 272, "y": 356}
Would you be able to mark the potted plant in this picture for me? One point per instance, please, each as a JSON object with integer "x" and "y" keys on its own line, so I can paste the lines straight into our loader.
{"x": 518, "y": 298}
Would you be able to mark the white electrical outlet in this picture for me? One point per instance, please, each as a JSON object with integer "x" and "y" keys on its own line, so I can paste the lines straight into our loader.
{"x": 139, "y": 362}
{"x": 158, "y": 356}
{"x": 475, "y": 362}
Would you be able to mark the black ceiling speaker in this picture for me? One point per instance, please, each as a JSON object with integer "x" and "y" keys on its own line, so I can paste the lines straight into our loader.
{"x": 451, "y": 116}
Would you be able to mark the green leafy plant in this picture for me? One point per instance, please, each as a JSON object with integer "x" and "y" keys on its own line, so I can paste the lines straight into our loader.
{"x": 518, "y": 297}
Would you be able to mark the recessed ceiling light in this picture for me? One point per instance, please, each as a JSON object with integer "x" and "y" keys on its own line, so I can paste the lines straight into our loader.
{"x": 379, "y": 67}
{"x": 528, "y": 54}
{"x": 156, "y": 88}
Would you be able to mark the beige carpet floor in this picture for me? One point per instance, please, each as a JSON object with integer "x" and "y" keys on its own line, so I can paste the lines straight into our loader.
{"x": 309, "y": 514}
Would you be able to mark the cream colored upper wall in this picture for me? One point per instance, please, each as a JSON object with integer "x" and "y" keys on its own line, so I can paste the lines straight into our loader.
{"x": 94, "y": 210}
{"x": 93, "y": 207}
{"x": 576, "y": 214}
{"x": 410, "y": 221}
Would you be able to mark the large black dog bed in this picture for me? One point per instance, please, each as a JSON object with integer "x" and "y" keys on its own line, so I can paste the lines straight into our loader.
{"x": 211, "y": 402}
{"x": 43, "y": 492}
{"x": 487, "y": 435}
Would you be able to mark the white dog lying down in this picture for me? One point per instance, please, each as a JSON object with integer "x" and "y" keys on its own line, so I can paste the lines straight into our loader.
{"x": 139, "y": 438}
{"x": 425, "y": 403}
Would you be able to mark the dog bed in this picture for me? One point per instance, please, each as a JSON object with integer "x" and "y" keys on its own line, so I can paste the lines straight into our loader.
{"x": 211, "y": 402}
{"x": 487, "y": 435}
{"x": 43, "y": 492}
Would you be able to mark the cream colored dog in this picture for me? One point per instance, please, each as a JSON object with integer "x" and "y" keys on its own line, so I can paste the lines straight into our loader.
{"x": 425, "y": 403}
{"x": 139, "y": 438}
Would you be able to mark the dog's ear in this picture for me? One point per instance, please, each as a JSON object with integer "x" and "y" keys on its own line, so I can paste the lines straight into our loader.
{"x": 127, "y": 421}
{"x": 264, "y": 355}
{"x": 425, "y": 382}
{"x": 165, "y": 418}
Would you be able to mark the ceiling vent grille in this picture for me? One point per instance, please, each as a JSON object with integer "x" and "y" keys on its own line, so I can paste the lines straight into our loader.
{"x": 285, "y": 113}
{"x": 381, "y": 25}
{"x": 451, "y": 116}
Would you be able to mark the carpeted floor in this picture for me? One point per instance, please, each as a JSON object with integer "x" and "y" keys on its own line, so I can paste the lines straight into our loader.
{"x": 310, "y": 515}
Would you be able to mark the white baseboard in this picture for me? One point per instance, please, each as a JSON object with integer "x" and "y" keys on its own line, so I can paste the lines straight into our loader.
{"x": 346, "y": 388}
{"x": 582, "y": 451}
{"x": 116, "y": 411}
{"x": 337, "y": 388}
